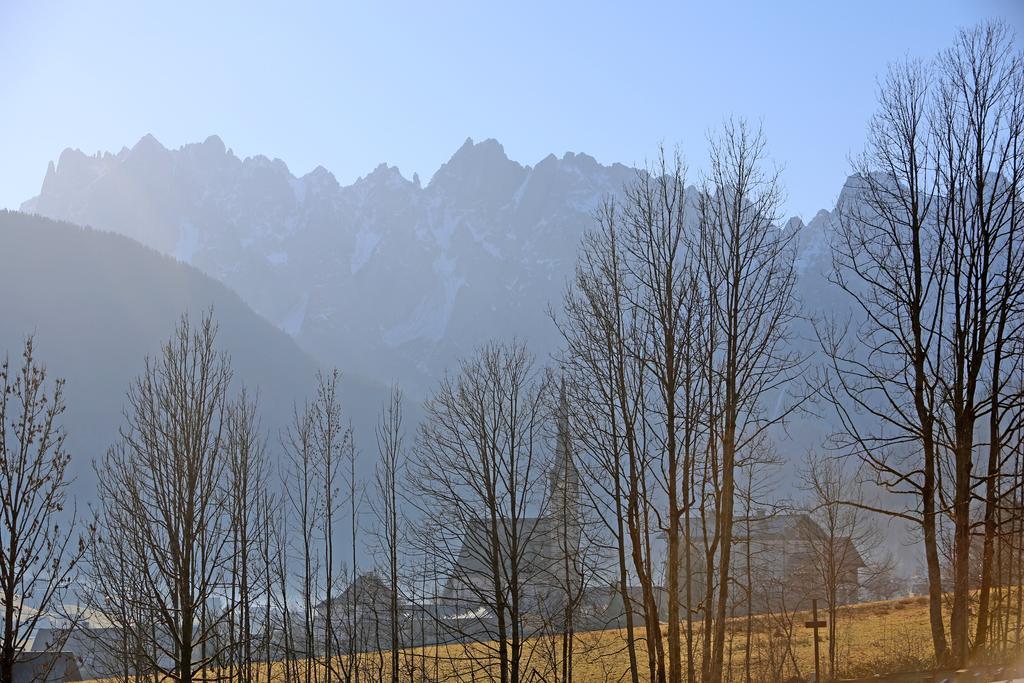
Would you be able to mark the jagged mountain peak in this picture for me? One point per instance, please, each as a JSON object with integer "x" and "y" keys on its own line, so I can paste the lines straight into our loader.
{"x": 148, "y": 142}
{"x": 385, "y": 173}
{"x": 488, "y": 148}
{"x": 320, "y": 177}
{"x": 215, "y": 144}
{"x": 478, "y": 165}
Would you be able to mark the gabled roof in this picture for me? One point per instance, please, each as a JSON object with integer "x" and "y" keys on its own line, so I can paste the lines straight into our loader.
{"x": 533, "y": 534}
{"x": 797, "y": 526}
{"x": 851, "y": 556}
{"x": 368, "y": 588}
{"x": 783, "y": 527}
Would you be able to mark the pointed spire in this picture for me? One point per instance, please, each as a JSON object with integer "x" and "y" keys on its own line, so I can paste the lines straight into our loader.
{"x": 564, "y": 484}
{"x": 563, "y": 414}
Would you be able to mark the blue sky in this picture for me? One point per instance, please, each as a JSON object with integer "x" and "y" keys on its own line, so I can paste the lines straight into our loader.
{"x": 348, "y": 85}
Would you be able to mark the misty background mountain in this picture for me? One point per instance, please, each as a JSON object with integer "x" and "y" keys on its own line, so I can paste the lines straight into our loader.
{"x": 97, "y": 304}
{"x": 387, "y": 278}
{"x": 387, "y": 275}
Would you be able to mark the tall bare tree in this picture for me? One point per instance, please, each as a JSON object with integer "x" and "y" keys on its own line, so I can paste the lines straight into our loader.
{"x": 247, "y": 490}
{"x": 675, "y": 329}
{"x": 331, "y": 442}
{"x": 928, "y": 247}
{"x": 633, "y": 321}
{"x": 605, "y": 378}
{"x": 978, "y": 128}
{"x": 39, "y": 546}
{"x": 885, "y": 254}
{"x": 304, "y": 499}
{"x": 748, "y": 271}
{"x": 475, "y": 477}
{"x": 390, "y": 447}
{"x": 665, "y": 288}
{"x": 164, "y": 513}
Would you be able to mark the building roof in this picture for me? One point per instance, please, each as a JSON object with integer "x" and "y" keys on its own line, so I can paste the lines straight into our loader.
{"x": 58, "y": 615}
{"x": 796, "y": 526}
{"x": 781, "y": 527}
{"x": 367, "y": 588}
{"x": 533, "y": 534}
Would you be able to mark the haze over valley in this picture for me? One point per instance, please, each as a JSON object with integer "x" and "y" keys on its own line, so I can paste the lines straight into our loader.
{"x": 660, "y": 342}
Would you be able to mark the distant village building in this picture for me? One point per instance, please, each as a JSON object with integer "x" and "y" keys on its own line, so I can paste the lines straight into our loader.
{"x": 93, "y": 648}
{"x": 361, "y": 614}
{"x": 84, "y": 634}
{"x": 784, "y": 555}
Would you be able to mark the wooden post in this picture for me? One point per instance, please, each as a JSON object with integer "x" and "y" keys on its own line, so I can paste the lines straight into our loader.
{"x": 815, "y": 624}
{"x": 817, "y": 658}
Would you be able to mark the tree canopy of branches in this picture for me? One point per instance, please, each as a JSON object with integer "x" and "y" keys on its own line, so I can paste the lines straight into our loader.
{"x": 928, "y": 246}
{"x": 39, "y": 549}
{"x": 476, "y": 475}
{"x": 165, "y": 516}
{"x": 676, "y": 328}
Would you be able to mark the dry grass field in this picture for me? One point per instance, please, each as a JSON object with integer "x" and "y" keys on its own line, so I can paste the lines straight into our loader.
{"x": 872, "y": 637}
{"x": 877, "y": 637}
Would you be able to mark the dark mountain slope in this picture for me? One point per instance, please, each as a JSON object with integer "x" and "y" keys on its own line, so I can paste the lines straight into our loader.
{"x": 98, "y": 303}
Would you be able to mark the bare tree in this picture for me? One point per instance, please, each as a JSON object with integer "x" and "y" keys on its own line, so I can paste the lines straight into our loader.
{"x": 359, "y": 599}
{"x": 1005, "y": 610}
{"x": 247, "y": 474}
{"x": 390, "y": 445}
{"x": 634, "y": 321}
{"x": 164, "y": 511}
{"x": 278, "y": 563}
{"x": 665, "y": 289}
{"x": 884, "y": 254}
{"x": 331, "y": 443}
{"x": 747, "y": 264}
{"x": 928, "y": 247}
{"x": 267, "y": 549}
{"x": 840, "y": 542}
{"x": 604, "y": 382}
{"x": 39, "y": 548}
{"x": 475, "y": 477}
{"x": 978, "y": 127}
{"x": 305, "y": 500}
{"x": 675, "y": 330}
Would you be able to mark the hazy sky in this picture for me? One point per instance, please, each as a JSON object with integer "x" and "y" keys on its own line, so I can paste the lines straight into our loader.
{"x": 348, "y": 85}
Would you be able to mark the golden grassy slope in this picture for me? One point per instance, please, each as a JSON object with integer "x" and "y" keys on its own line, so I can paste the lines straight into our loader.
{"x": 872, "y": 637}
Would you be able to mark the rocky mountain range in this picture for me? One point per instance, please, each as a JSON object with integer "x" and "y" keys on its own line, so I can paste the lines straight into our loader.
{"x": 387, "y": 277}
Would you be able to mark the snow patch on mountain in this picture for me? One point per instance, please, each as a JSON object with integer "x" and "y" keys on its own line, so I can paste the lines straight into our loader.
{"x": 366, "y": 241}
{"x": 292, "y": 323}
{"x": 188, "y": 242}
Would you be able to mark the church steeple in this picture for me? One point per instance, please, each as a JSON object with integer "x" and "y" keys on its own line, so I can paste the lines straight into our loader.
{"x": 564, "y": 483}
